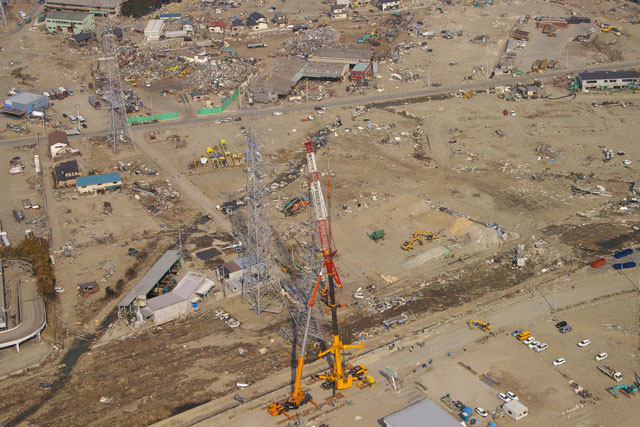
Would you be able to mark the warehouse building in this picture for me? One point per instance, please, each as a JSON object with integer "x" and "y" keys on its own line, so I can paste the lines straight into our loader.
{"x": 184, "y": 298}
{"x": 153, "y": 30}
{"x": 152, "y": 282}
{"x": 417, "y": 415}
{"x": 70, "y": 22}
{"x": 24, "y": 103}
{"x": 607, "y": 79}
{"x": 91, "y": 6}
{"x": 281, "y": 78}
{"x": 99, "y": 183}
{"x": 341, "y": 55}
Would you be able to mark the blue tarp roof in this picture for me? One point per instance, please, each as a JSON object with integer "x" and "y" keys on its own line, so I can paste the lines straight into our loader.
{"x": 98, "y": 179}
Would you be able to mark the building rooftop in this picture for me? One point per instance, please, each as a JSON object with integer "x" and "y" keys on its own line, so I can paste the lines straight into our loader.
{"x": 68, "y": 16}
{"x": 58, "y": 137}
{"x": 361, "y": 66}
{"x": 84, "y": 36}
{"x": 417, "y": 414}
{"x": 151, "y": 278}
{"x": 97, "y": 4}
{"x": 62, "y": 170}
{"x": 321, "y": 70}
{"x": 599, "y": 75}
{"x": 154, "y": 25}
{"x": 24, "y": 98}
{"x": 356, "y": 54}
{"x": 98, "y": 179}
{"x": 281, "y": 77}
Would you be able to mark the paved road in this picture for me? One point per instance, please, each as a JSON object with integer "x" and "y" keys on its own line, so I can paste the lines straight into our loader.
{"x": 450, "y": 337}
{"x": 32, "y": 314}
{"x": 260, "y": 111}
{"x": 32, "y": 13}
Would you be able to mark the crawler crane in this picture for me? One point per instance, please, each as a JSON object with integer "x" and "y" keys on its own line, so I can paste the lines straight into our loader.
{"x": 339, "y": 376}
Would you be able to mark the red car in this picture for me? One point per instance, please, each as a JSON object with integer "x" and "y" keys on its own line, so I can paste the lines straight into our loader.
{"x": 505, "y": 112}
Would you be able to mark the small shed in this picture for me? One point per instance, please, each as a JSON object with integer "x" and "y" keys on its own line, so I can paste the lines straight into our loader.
{"x": 360, "y": 72}
{"x": 515, "y": 410}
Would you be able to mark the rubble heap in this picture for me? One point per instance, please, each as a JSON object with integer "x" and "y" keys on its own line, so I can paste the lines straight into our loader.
{"x": 308, "y": 42}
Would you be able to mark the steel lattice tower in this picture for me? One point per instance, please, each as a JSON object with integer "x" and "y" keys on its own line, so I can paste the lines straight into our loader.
{"x": 261, "y": 288}
{"x": 120, "y": 131}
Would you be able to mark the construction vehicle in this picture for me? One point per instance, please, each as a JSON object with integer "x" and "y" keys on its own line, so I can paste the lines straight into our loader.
{"x": 376, "y": 235}
{"x": 608, "y": 27}
{"x": 340, "y": 376}
{"x": 366, "y": 36}
{"x": 298, "y": 397}
{"x": 228, "y": 49}
{"x": 523, "y": 335}
{"x": 610, "y": 372}
{"x": 294, "y": 206}
{"x": 480, "y": 324}
{"x": 417, "y": 237}
{"x": 628, "y": 389}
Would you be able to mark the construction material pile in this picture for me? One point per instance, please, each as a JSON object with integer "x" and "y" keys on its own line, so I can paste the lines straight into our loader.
{"x": 308, "y": 42}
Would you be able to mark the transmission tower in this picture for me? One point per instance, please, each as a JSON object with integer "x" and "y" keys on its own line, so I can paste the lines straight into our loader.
{"x": 119, "y": 132}
{"x": 261, "y": 288}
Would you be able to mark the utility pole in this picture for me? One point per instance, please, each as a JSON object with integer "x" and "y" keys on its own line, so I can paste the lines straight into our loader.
{"x": 555, "y": 303}
{"x": 4, "y": 18}
{"x": 78, "y": 116}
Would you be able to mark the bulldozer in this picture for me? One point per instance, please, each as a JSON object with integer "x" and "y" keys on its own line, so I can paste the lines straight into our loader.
{"x": 418, "y": 236}
{"x": 480, "y": 324}
{"x": 294, "y": 206}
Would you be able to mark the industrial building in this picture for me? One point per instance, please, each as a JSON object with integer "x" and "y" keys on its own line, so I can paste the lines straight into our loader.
{"x": 152, "y": 282}
{"x": 24, "y": 103}
{"x": 184, "y": 298}
{"x": 417, "y": 415}
{"x": 153, "y": 30}
{"x": 360, "y": 72}
{"x": 91, "y": 6}
{"x": 515, "y": 409}
{"x": 66, "y": 173}
{"x": 341, "y": 55}
{"x": 282, "y": 77}
{"x": 607, "y": 79}
{"x": 98, "y": 183}
{"x": 70, "y": 22}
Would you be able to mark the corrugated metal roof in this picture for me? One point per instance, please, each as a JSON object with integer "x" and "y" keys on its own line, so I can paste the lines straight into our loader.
{"x": 361, "y": 67}
{"x": 599, "y": 75}
{"x": 153, "y": 276}
{"x": 163, "y": 301}
{"x": 68, "y": 16}
{"x": 98, "y": 179}
{"x": 424, "y": 413}
{"x": 24, "y": 98}
{"x": 188, "y": 285}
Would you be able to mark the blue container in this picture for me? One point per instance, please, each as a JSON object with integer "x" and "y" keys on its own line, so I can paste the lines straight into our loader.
{"x": 224, "y": 98}
{"x": 464, "y": 416}
{"x": 629, "y": 264}
{"x": 617, "y": 266}
{"x": 623, "y": 253}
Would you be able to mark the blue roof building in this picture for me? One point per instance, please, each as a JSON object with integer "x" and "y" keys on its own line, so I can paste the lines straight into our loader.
{"x": 99, "y": 183}
{"x": 25, "y": 103}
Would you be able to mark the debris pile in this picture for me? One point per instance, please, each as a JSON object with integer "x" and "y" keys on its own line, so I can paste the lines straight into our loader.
{"x": 308, "y": 42}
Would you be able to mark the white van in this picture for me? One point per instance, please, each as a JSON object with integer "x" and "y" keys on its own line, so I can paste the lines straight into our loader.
{"x": 72, "y": 119}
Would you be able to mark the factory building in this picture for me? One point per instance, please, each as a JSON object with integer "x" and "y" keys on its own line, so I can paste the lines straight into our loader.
{"x": 607, "y": 79}
{"x": 340, "y": 55}
{"x": 153, "y": 30}
{"x": 24, "y": 103}
{"x": 91, "y": 6}
{"x": 70, "y": 22}
{"x": 98, "y": 183}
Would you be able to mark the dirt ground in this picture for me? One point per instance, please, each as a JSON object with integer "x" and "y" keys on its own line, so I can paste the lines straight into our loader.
{"x": 427, "y": 165}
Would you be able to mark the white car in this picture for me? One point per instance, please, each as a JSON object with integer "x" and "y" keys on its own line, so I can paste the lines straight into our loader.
{"x": 601, "y": 356}
{"x": 528, "y": 340}
{"x": 504, "y": 397}
{"x": 512, "y": 395}
{"x": 558, "y": 362}
{"x": 534, "y": 344}
{"x": 541, "y": 347}
{"x": 584, "y": 343}
{"x": 482, "y": 412}
{"x": 277, "y": 113}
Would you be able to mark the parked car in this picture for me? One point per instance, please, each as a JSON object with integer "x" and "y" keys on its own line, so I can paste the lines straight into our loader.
{"x": 512, "y": 395}
{"x": 584, "y": 343}
{"x": 504, "y": 397}
{"x": 505, "y": 112}
{"x": 482, "y": 412}
{"x": 559, "y": 362}
{"x": 534, "y": 344}
{"x": 528, "y": 340}
{"x": 516, "y": 332}
{"x": 565, "y": 329}
{"x": 601, "y": 356}
{"x": 541, "y": 347}
{"x": 18, "y": 214}
{"x": 561, "y": 324}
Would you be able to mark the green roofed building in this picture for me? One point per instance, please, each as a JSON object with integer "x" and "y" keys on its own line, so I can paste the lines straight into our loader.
{"x": 70, "y": 22}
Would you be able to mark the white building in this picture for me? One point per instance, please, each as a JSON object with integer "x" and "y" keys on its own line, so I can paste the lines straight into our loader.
{"x": 515, "y": 410}
{"x": 608, "y": 80}
{"x": 153, "y": 30}
{"x": 183, "y": 299}
{"x": 388, "y": 4}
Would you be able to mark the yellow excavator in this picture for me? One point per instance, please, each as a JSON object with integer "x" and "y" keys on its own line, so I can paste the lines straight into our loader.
{"x": 480, "y": 324}
{"x": 417, "y": 237}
